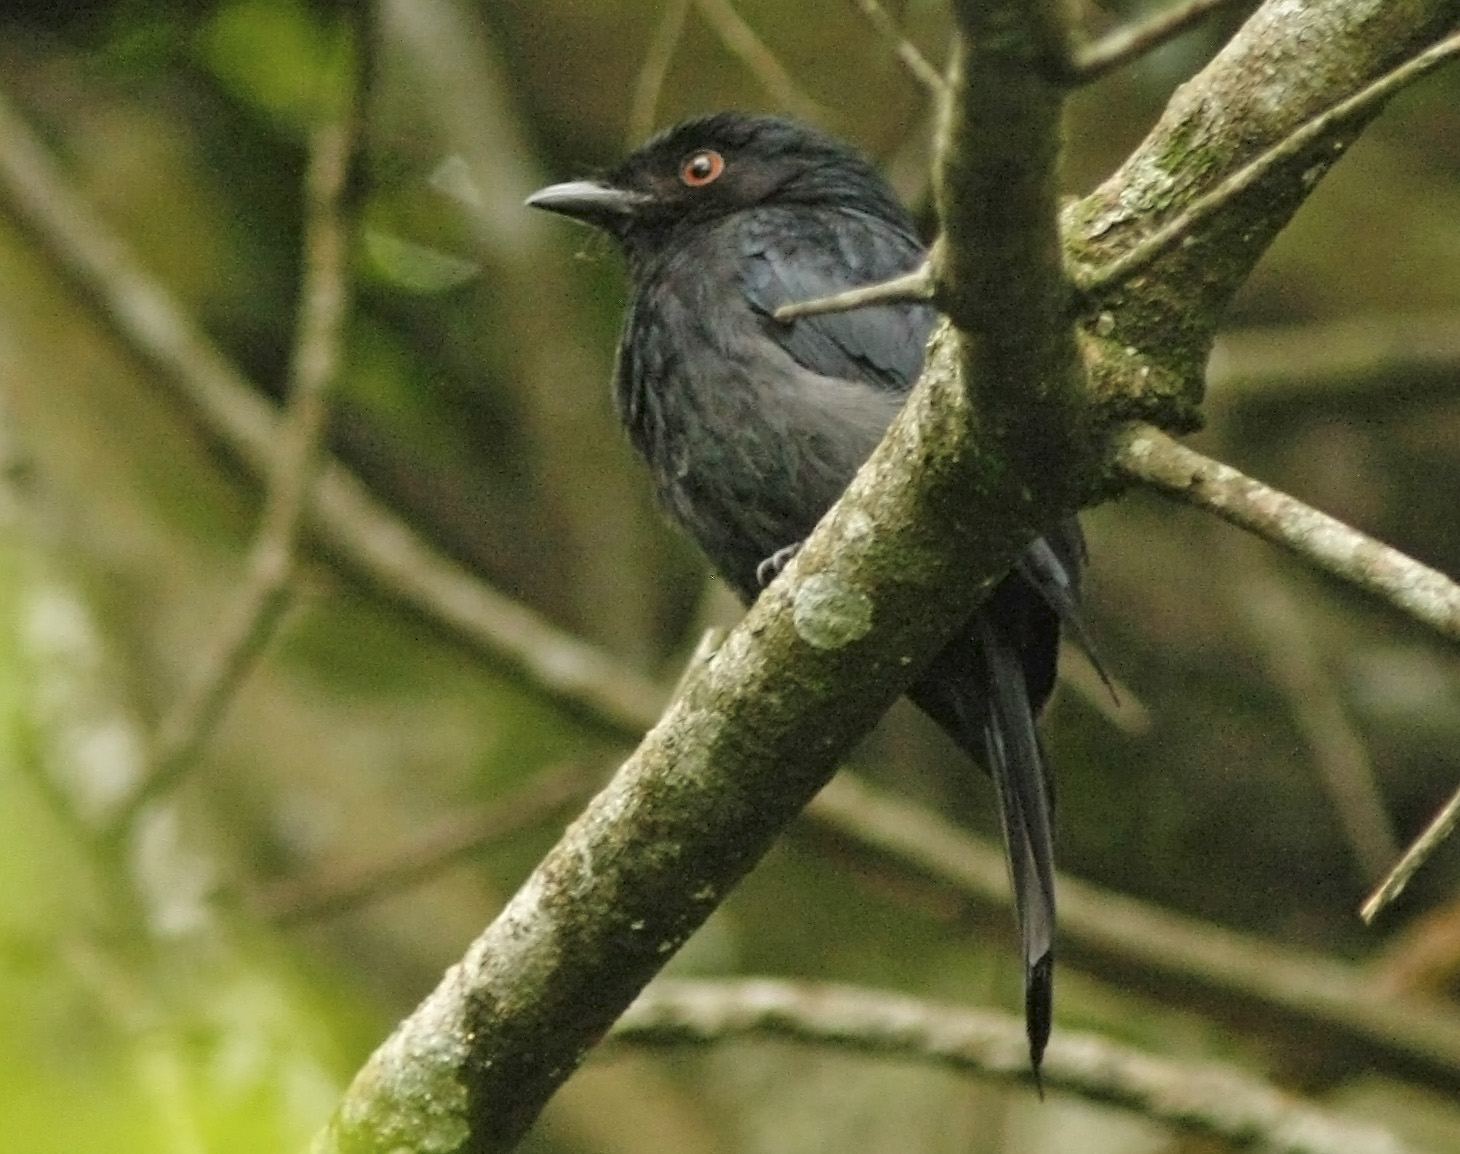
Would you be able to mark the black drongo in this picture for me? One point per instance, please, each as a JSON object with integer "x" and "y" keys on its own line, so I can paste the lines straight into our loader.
{"x": 753, "y": 426}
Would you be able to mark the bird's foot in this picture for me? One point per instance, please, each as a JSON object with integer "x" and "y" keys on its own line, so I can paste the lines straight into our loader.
{"x": 769, "y": 569}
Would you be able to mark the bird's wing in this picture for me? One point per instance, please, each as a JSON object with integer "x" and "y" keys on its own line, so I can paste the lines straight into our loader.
{"x": 799, "y": 255}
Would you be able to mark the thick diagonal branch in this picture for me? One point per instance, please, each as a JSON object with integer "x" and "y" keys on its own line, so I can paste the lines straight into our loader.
{"x": 1239, "y": 148}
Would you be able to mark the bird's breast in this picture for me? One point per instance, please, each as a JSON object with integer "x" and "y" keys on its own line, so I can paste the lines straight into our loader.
{"x": 747, "y": 448}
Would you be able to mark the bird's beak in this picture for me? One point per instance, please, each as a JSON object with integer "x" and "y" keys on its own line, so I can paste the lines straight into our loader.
{"x": 590, "y": 201}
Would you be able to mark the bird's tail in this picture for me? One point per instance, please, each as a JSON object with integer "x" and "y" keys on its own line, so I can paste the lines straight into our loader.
{"x": 1016, "y": 763}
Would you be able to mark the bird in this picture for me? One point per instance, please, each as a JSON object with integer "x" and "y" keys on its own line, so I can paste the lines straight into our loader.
{"x": 752, "y": 426}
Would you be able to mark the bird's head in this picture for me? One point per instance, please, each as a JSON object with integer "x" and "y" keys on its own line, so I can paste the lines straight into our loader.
{"x": 707, "y": 169}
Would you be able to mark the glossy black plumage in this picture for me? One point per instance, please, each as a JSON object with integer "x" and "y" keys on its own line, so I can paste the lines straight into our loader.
{"x": 753, "y": 427}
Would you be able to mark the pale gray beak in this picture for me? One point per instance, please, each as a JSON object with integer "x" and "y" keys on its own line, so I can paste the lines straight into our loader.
{"x": 590, "y": 201}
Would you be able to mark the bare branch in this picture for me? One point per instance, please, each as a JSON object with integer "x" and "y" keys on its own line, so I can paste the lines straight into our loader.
{"x": 1146, "y": 454}
{"x": 1250, "y": 135}
{"x": 741, "y": 40}
{"x": 1415, "y": 856}
{"x": 653, "y": 71}
{"x": 997, "y": 262}
{"x": 1217, "y": 1101}
{"x": 914, "y": 286}
{"x": 914, "y": 61}
{"x": 1345, "y": 115}
{"x": 1128, "y": 44}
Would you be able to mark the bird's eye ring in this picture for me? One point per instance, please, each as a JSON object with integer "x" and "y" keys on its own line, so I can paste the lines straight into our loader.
{"x": 702, "y": 168}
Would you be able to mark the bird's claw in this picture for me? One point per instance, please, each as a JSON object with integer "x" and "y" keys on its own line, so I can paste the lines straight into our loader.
{"x": 769, "y": 569}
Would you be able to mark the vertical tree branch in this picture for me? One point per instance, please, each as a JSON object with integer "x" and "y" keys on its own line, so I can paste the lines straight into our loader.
{"x": 999, "y": 262}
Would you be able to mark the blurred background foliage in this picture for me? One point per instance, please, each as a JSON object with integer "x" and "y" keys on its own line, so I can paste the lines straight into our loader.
{"x": 174, "y": 993}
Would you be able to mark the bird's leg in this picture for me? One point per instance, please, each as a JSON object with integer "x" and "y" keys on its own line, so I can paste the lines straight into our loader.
{"x": 769, "y": 569}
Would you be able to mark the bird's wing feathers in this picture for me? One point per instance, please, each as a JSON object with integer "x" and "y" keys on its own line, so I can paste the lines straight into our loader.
{"x": 790, "y": 257}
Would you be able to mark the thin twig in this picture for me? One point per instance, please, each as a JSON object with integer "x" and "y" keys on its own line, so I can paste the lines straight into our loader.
{"x": 914, "y": 61}
{"x": 743, "y": 43}
{"x": 1146, "y": 454}
{"x": 1414, "y": 857}
{"x": 653, "y": 71}
{"x": 1208, "y": 1099}
{"x": 1130, "y": 43}
{"x": 458, "y": 836}
{"x": 912, "y": 286}
{"x": 324, "y": 305}
{"x": 1091, "y": 278}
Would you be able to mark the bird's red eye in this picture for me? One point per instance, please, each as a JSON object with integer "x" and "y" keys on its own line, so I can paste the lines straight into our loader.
{"x": 702, "y": 168}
